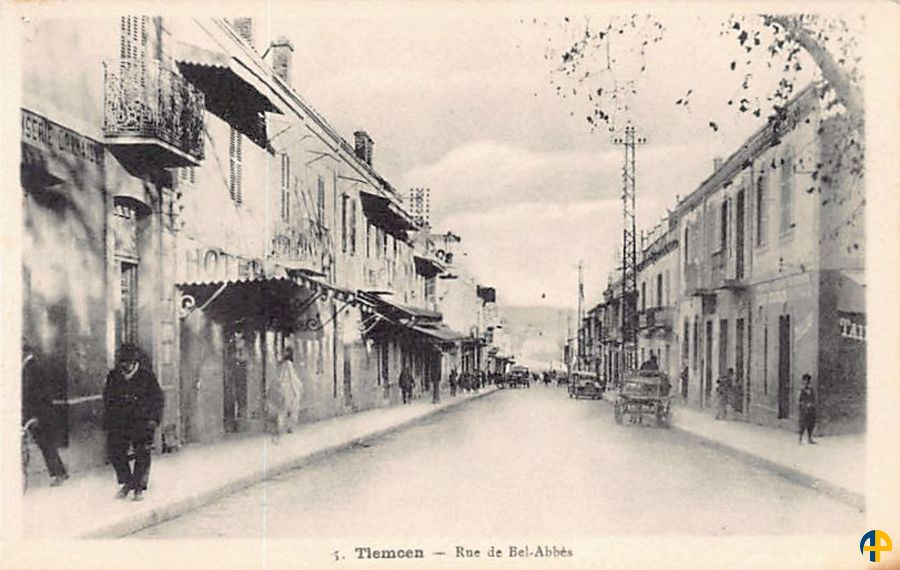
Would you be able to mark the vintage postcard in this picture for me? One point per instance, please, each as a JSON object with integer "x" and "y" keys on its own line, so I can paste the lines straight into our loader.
{"x": 450, "y": 284}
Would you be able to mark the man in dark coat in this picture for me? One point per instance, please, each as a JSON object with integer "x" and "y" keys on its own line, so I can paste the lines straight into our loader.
{"x": 406, "y": 384}
{"x": 453, "y": 382}
{"x": 133, "y": 405}
{"x": 37, "y": 414}
{"x": 807, "y": 408}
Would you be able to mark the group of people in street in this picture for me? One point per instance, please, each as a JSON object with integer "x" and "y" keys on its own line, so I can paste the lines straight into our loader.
{"x": 466, "y": 381}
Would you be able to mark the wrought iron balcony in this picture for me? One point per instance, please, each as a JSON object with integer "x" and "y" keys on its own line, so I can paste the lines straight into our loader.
{"x": 657, "y": 318}
{"x": 153, "y": 113}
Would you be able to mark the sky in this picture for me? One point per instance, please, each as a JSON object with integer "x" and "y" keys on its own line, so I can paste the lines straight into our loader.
{"x": 458, "y": 98}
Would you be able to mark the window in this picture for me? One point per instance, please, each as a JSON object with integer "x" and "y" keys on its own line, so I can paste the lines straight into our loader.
{"x": 723, "y": 226}
{"x": 129, "y": 301}
{"x": 368, "y": 240}
{"x": 353, "y": 227}
{"x": 234, "y": 162}
{"x": 344, "y": 221}
{"x": 320, "y": 201}
{"x": 644, "y": 296}
{"x": 668, "y": 285}
{"x": 686, "y": 246}
{"x": 762, "y": 209}
{"x": 787, "y": 192}
{"x": 659, "y": 290}
{"x": 285, "y": 188}
{"x": 132, "y": 37}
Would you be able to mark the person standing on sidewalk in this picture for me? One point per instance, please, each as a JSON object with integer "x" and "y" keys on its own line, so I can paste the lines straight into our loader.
{"x": 132, "y": 405}
{"x": 722, "y": 398}
{"x": 453, "y": 382}
{"x": 37, "y": 411}
{"x": 406, "y": 384}
{"x": 807, "y": 408}
{"x": 436, "y": 386}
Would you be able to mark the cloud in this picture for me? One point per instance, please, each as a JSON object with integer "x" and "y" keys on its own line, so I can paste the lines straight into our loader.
{"x": 487, "y": 174}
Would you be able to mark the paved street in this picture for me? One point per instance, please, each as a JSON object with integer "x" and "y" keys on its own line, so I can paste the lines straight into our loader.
{"x": 519, "y": 463}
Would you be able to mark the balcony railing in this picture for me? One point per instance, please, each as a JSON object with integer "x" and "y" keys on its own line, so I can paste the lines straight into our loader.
{"x": 660, "y": 318}
{"x": 153, "y": 109}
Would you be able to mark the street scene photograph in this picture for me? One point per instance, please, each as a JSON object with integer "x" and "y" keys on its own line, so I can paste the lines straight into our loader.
{"x": 448, "y": 285}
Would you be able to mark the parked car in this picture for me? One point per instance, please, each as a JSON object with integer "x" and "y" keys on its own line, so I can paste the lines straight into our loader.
{"x": 584, "y": 384}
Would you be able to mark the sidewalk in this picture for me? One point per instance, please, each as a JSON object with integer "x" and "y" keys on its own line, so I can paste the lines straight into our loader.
{"x": 85, "y": 506}
{"x": 836, "y": 466}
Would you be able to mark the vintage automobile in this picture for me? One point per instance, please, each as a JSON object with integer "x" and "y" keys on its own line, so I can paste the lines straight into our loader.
{"x": 583, "y": 384}
{"x": 644, "y": 393}
{"x": 518, "y": 377}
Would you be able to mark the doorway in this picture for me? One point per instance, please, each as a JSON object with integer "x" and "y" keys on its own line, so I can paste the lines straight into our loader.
{"x": 784, "y": 366}
{"x": 235, "y": 382}
{"x": 707, "y": 365}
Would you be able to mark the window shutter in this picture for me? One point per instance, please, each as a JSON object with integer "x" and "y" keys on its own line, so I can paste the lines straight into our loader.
{"x": 285, "y": 188}
{"x": 132, "y": 37}
{"x": 234, "y": 154}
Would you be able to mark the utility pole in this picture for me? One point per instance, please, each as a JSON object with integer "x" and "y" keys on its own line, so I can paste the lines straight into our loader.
{"x": 580, "y": 319}
{"x": 629, "y": 250}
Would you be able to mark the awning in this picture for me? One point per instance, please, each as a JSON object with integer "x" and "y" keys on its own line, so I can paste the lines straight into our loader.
{"x": 396, "y": 311}
{"x": 385, "y": 214}
{"x": 428, "y": 266}
{"x": 218, "y": 74}
{"x": 852, "y": 291}
{"x": 439, "y": 331}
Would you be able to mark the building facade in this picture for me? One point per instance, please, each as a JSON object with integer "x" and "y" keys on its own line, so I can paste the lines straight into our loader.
{"x": 179, "y": 194}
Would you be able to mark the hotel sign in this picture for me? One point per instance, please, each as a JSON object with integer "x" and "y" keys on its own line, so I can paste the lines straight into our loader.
{"x": 55, "y": 139}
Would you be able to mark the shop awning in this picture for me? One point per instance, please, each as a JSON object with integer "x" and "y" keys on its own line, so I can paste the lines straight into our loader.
{"x": 428, "y": 266}
{"x": 385, "y": 214}
{"x": 396, "y": 311}
{"x": 220, "y": 74}
{"x": 852, "y": 291}
{"x": 439, "y": 331}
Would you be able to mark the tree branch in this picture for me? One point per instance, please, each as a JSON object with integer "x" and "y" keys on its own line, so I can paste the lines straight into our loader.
{"x": 837, "y": 77}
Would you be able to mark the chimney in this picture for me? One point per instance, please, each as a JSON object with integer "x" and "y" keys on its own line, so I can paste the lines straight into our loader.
{"x": 717, "y": 163}
{"x": 282, "y": 50}
{"x": 364, "y": 146}
{"x": 244, "y": 28}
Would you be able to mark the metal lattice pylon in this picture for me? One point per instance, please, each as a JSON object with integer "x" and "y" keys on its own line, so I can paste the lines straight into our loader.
{"x": 629, "y": 250}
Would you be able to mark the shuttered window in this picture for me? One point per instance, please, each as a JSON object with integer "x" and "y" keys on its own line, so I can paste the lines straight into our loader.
{"x": 285, "y": 188}
{"x": 353, "y": 227}
{"x": 320, "y": 201}
{"x": 787, "y": 192}
{"x": 132, "y": 37}
{"x": 762, "y": 209}
{"x": 234, "y": 162}
{"x": 344, "y": 222}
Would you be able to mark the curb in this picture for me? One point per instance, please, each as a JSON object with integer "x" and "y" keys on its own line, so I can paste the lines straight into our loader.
{"x": 849, "y": 497}
{"x": 846, "y": 496}
{"x": 172, "y": 510}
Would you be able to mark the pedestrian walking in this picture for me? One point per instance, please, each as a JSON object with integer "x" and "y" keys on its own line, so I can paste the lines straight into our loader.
{"x": 454, "y": 381}
{"x": 283, "y": 397}
{"x": 807, "y": 408}
{"x": 731, "y": 388}
{"x": 37, "y": 412}
{"x": 133, "y": 406}
{"x": 406, "y": 384}
{"x": 684, "y": 382}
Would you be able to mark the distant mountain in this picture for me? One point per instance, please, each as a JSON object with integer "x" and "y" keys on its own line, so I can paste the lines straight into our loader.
{"x": 537, "y": 333}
